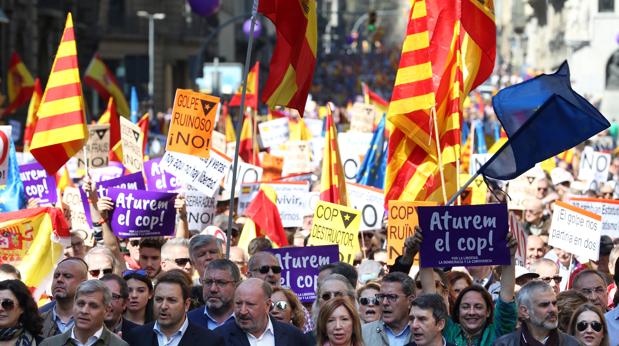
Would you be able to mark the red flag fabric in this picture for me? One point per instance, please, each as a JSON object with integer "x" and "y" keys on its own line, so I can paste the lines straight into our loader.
{"x": 263, "y": 212}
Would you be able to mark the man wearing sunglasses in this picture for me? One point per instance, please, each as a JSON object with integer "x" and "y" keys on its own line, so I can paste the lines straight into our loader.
{"x": 537, "y": 310}
{"x": 100, "y": 262}
{"x": 548, "y": 272}
{"x": 175, "y": 255}
{"x": 264, "y": 265}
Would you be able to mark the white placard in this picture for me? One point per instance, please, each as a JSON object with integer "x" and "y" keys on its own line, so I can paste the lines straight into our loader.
{"x": 362, "y": 118}
{"x": 131, "y": 139}
{"x": 218, "y": 141}
{"x": 292, "y": 200}
{"x": 521, "y": 189}
{"x": 200, "y": 208}
{"x": 72, "y": 198}
{"x": 297, "y": 157}
{"x": 203, "y": 174}
{"x": 575, "y": 230}
{"x": 370, "y": 202}
{"x": 477, "y": 160}
{"x": 274, "y": 132}
{"x": 608, "y": 209}
{"x": 97, "y": 148}
{"x": 594, "y": 165}
{"x": 246, "y": 173}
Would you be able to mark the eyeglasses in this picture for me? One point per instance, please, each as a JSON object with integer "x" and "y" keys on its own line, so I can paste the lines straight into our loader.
{"x": 181, "y": 262}
{"x": 265, "y": 269}
{"x": 365, "y": 301}
{"x": 437, "y": 283}
{"x": 547, "y": 279}
{"x": 589, "y": 291}
{"x": 279, "y": 305}
{"x": 583, "y": 325}
{"x": 138, "y": 272}
{"x": 218, "y": 283}
{"x": 7, "y": 304}
{"x": 96, "y": 272}
{"x": 328, "y": 295}
{"x": 392, "y": 298}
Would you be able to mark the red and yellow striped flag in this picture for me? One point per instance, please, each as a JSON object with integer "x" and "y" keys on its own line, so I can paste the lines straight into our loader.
{"x": 332, "y": 180}
{"x": 248, "y": 146}
{"x": 19, "y": 84}
{"x": 99, "y": 76}
{"x": 294, "y": 57}
{"x": 429, "y": 87}
{"x": 110, "y": 116}
{"x": 143, "y": 123}
{"x": 61, "y": 129}
{"x": 251, "y": 96}
{"x": 33, "y": 108}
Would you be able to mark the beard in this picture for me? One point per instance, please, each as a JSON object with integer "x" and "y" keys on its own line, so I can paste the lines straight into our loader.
{"x": 544, "y": 322}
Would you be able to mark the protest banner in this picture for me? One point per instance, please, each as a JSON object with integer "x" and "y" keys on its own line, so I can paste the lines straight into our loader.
{"x": 5, "y": 144}
{"x": 362, "y": 118}
{"x": 608, "y": 209}
{"x": 401, "y": 222}
{"x": 477, "y": 160}
{"x": 594, "y": 165}
{"x": 23, "y": 158}
{"x": 72, "y": 197}
{"x": 357, "y": 145}
{"x": 131, "y": 141}
{"x": 337, "y": 224}
{"x": 271, "y": 166}
{"x": 318, "y": 146}
{"x": 203, "y": 174}
{"x": 200, "y": 208}
{"x": 158, "y": 179}
{"x": 476, "y": 192}
{"x": 37, "y": 184}
{"x": 142, "y": 213}
{"x": 246, "y": 173}
{"x": 521, "y": 189}
{"x": 370, "y": 201}
{"x": 470, "y": 235}
{"x": 274, "y": 132}
{"x": 218, "y": 141}
{"x": 97, "y": 148}
{"x": 301, "y": 265}
{"x": 192, "y": 123}
{"x": 297, "y": 157}
{"x": 134, "y": 181}
{"x": 113, "y": 170}
{"x": 291, "y": 200}
{"x": 575, "y": 230}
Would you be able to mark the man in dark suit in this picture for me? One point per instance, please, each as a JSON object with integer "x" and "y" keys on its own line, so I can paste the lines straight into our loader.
{"x": 252, "y": 302}
{"x": 171, "y": 303}
{"x": 427, "y": 319}
{"x": 114, "y": 320}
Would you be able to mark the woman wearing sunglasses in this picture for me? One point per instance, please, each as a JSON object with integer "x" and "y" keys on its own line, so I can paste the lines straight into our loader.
{"x": 140, "y": 306}
{"x": 589, "y": 326}
{"x": 370, "y": 309}
{"x": 20, "y": 323}
{"x": 287, "y": 308}
{"x": 339, "y": 324}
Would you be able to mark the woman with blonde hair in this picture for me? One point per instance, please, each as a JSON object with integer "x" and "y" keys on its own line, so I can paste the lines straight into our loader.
{"x": 287, "y": 308}
{"x": 339, "y": 324}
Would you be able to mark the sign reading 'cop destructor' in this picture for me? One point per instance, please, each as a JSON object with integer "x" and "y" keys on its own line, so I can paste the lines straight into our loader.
{"x": 470, "y": 235}
{"x": 337, "y": 224}
{"x": 575, "y": 230}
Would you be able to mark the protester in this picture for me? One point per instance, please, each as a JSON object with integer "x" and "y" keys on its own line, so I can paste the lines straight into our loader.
{"x": 592, "y": 284}
{"x": 202, "y": 250}
{"x": 237, "y": 255}
{"x": 589, "y": 326}
{"x": 100, "y": 262}
{"x": 427, "y": 320}
{"x": 536, "y": 222}
{"x": 370, "y": 309}
{"x": 119, "y": 290}
{"x": 536, "y": 249}
{"x": 548, "y": 272}
{"x": 150, "y": 256}
{"x": 334, "y": 285}
{"x": 175, "y": 255}
{"x": 457, "y": 281}
{"x": 342, "y": 268}
{"x": 567, "y": 302}
{"x": 287, "y": 308}
{"x": 339, "y": 324}
{"x": 140, "y": 306}
{"x": 264, "y": 265}
{"x": 9, "y": 272}
{"x": 20, "y": 323}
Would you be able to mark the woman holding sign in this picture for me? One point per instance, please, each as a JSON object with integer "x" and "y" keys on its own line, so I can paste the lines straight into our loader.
{"x": 475, "y": 319}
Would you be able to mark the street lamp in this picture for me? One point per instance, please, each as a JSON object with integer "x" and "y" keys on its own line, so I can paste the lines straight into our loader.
{"x": 151, "y": 54}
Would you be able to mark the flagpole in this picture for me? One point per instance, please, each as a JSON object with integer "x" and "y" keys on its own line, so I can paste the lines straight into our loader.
{"x": 239, "y": 124}
{"x": 440, "y": 158}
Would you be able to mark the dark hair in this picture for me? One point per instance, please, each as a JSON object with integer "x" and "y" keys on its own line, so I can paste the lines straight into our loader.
{"x": 455, "y": 310}
{"x": 327, "y": 310}
{"x": 10, "y": 269}
{"x": 434, "y": 302}
{"x": 176, "y": 276}
{"x": 455, "y": 276}
{"x": 148, "y": 311}
{"x": 30, "y": 319}
{"x": 567, "y": 302}
{"x": 227, "y": 265}
{"x": 597, "y": 311}
{"x": 343, "y": 268}
{"x": 152, "y": 242}
{"x": 124, "y": 288}
{"x": 585, "y": 272}
{"x": 408, "y": 285}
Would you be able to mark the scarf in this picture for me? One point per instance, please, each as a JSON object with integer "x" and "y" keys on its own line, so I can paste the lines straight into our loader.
{"x": 24, "y": 338}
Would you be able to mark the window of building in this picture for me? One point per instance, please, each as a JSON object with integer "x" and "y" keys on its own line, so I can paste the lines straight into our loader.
{"x": 606, "y": 5}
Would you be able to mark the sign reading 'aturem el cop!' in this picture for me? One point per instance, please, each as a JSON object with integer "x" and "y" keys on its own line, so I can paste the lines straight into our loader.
{"x": 142, "y": 213}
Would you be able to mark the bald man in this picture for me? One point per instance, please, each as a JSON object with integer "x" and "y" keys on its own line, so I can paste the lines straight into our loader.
{"x": 536, "y": 223}
{"x": 548, "y": 272}
{"x": 536, "y": 249}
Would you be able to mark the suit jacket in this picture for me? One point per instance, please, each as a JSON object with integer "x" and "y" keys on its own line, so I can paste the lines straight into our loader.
{"x": 127, "y": 326}
{"x": 49, "y": 326}
{"x": 107, "y": 339}
{"x": 374, "y": 334}
{"x": 194, "y": 335}
{"x": 285, "y": 334}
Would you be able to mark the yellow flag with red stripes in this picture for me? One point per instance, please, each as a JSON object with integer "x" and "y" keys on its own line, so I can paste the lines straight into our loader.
{"x": 332, "y": 179}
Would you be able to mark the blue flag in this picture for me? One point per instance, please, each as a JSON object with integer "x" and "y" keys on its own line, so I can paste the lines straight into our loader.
{"x": 134, "y": 104}
{"x": 542, "y": 118}
{"x": 12, "y": 194}
{"x": 480, "y": 135}
{"x": 372, "y": 169}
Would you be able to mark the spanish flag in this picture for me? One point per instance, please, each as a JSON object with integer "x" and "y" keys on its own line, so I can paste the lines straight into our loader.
{"x": 19, "y": 84}
{"x": 33, "y": 107}
{"x": 294, "y": 57}
{"x": 99, "y": 76}
{"x": 251, "y": 96}
{"x": 248, "y": 147}
{"x": 110, "y": 116}
{"x": 373, "y": 98}
{"x": 332, "y": 180}
{"x": 143, "y": 123}
{"x": 61, "y": 129}
{"x": 263, "y": 220}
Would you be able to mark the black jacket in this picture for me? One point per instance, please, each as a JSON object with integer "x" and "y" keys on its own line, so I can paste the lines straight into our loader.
{"x": 194, "y": 335}
{"x": 285, "y": 334}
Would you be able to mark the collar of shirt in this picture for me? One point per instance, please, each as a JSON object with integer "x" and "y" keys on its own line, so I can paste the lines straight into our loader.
{"x": 268, "y": 331}
{"x": 403, "y": 332}
{"x": 60, "y": 323}
{"x": 212, "y": 323}
{"x": 91, "y": 340}
{"x": 175, "y": 338}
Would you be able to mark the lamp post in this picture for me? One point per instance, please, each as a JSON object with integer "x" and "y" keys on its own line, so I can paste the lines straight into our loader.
{"x": 151, "y": 55}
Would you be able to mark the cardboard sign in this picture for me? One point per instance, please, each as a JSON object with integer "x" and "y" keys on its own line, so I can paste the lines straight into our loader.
{"x": 37, "y": 184}
{"x": 520, "y": 189}
{"x": 370, "y": 201}
{"x": 246, "y": 173}
{"x": 218, "y": 141}
{"x": 301, "y": 265}
{"x": 72, "y": 197}
{"x": 476, "y": 192}
{"x": 291, "y": 200}
{"x": 274, "y": 132}
{"x": 203, "y": 174}
{"x": 272, "y": 166}
{"x": 298, "y": 157}
{"x": 471, "y": 235}
{"x": 133, "y": 181}
{"x": 131, "y": 139}
{"x": 5, "y": 144}
{"x": 575, "y": 230}
{"x": 337, "y": 224}
{"x": 159, "y": 180}
{"x": 608, "y": 209}
{"x": 192, "y": 123}
{"x": 353, "y": 146}
{"x": 97, "y": 148}
{"x": 142, "y": 213}
{"x": 478, "y": 160}
{"x": 401, "y": 222}
{"x": 200, "y": 208}
{"x": 362, "y": 118}
{"x": 594, "y": 165}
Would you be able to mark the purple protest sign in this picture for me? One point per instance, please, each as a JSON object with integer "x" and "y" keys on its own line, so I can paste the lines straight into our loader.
{"x": 470, "y": 235}
{"x": 113, "y": 170}
{"x": 37, "y": 184}
{"x": 159, "y": 180}
{"x": 301, "y": 265}
{"x": 134, "y": 181}
{"x": 140, "y": 213}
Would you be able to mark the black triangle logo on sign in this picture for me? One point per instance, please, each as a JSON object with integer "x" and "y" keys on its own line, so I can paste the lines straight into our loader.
{"x": 465, "y": 194}
{"x": 530, "y": 180}
{"x": 207, "y": 106}
{"x": 347, "y": 217}
{"x": 100, "y": 133}
{"x": 478, "y": 182}
{"x": 136, "y": 134}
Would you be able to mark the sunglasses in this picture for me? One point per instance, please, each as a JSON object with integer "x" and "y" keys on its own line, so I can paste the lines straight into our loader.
{"x": 7, "y": 304}
{"x": 265, "y": 269}
{"x": 547, "y": 279}
{"x": 328, "y": 295}
{"x": 96, "y": 272}
{"x": 365, "y": 301}
{"x": 181, "y": 262}
{"x": 583, "y": 325}
{"x": 280, "y": 305}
